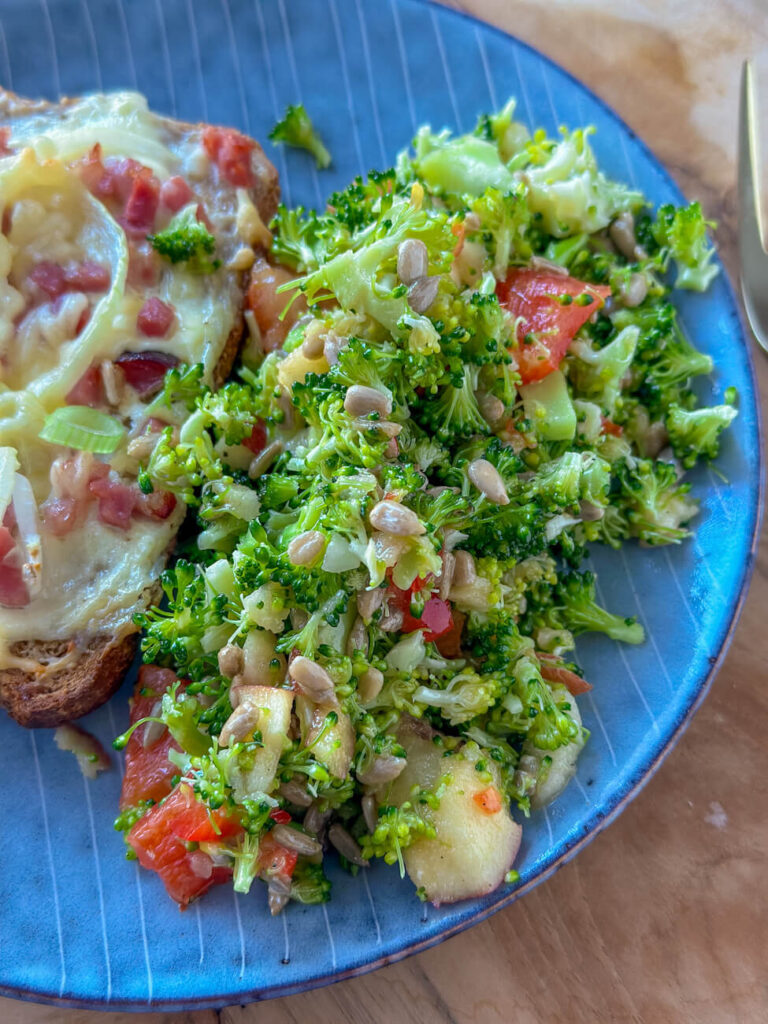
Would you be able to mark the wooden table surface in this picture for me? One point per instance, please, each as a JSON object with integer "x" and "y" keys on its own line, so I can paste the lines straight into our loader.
{"x": 665, "y": 916}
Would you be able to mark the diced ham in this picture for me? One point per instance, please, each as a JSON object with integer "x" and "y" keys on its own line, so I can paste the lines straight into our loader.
{"x": 87, "y": 277}
{"x": 144, "y": 371}
{"x": 157, "y": 505}
{"x": 5, "y": 136}
{"x": 89, "y": 390}
{"x": 175, "y": 193}
{"x": 49, "y": 278}
{"x": 143, "y": 265}
{"x": 85, "y": 316}
{"x": 59, "y": 515}
{"x": 7, "y": 543}
{"x": 119, "y": 502}
{"x": 141, "y": 207}
{"x": 231, "y": 151}
{"x": 13, "y": 589}
{"x": 258, "y": 438}
{"x": 123, "y": 173}
{"x": 203, "y": 217}
{"x": 155, "y": 425}
{"x": 116, "y": 501}
{"x": 93, "y": 173}
{"x": 155, "y": 318}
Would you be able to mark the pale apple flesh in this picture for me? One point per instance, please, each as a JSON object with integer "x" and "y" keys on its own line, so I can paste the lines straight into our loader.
{"x": 472, "y": 850}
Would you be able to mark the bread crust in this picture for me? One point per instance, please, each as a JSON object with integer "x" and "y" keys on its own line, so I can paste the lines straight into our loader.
{"x": 46, "y": 699}
{"x": 50, "y": 699}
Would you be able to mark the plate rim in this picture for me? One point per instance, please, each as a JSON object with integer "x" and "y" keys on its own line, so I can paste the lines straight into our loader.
{"x": 644, "y": 773}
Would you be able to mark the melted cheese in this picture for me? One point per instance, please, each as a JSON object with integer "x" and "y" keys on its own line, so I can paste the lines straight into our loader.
{"x": 95, "y": 579}
{"x": 120, "y": 122}
{"x": 96, "y": 576}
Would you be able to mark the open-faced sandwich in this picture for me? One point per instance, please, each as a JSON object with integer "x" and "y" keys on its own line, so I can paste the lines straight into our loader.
{"x": 126, "y": 239}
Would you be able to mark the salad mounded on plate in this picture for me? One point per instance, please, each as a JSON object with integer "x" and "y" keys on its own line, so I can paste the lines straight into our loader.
{"x": 368, "y": 638}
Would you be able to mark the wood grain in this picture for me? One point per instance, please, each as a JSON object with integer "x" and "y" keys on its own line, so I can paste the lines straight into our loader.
{"x": 664, "y": 918}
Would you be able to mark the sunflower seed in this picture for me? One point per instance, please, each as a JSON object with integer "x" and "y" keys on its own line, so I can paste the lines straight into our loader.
{"x": 622, "y": 234}
{"x": 261, "y": 462}
{"x": 315, "y": 819}
{"x": 239, "y": 725}
{"x": 392, "y": 517}
{"x": 313, "y": 680}
{"x": 314, "y": 340}
{"x": 292, "y": 839}
{"x": 278, "y": 893}
{"x": 391, "y": 620}
{"x": 383, "y": 426}
{"x": 464, "y": 572}
{"x": 358, "y": 637}
{"x": 634, "y": 291}
{"x": 423, "y": 293}
{"x": 295, "y": 793}
{"x": 383, "y": 768}
{"x": 362, "y": 401}
{"x": 346, "y": 845}
{"x": 487, "y": 479}
{"x": 491, "y": 407}
{"x": 306, "y": 548}
{"x": 540, "y": 263}
{"x": 589, "y": 512}
{"x": 446, "y": 575}
{"x": 370, "y": 810}
{"x": 369, "y": 684}
{"x": 230, "y": 660}
{"x": 412, "y": 260}
{"x": 369, "y": 601}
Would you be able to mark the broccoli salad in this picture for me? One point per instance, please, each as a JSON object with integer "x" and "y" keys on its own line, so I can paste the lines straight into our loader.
{"x": 460, "y": 375}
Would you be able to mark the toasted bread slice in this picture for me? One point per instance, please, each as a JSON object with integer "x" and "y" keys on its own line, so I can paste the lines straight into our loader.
{"x": 60, "y": 666}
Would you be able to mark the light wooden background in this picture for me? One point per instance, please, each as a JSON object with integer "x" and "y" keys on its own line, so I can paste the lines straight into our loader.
{"x": 665, "y": 916}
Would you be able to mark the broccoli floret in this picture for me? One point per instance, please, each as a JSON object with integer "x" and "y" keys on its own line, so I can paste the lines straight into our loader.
{"x": 309, "y": 883}
{"x": 494, "y": 640}
{"x": 397, "y": 828}
{"x": 544, "y": 721}
{"x": 454, "y": 413}
{"x": 302, "y": 240}
{"x": 177, "y": 636}
{"x": 573, "y": 477}
{"x": 510, "y": 135}
{"x": 656, "y": 505}
{"x": 445, "y": 510}
{"x": 187, "y": 240}
{"x": 579, "y": 612}
{"x": 296, "y": 129}
{"x": 567, "y": 191}
{"x": 465, "y": 696}
{"x": 504, "y": 223}
{"x": 352, "y": 276}
{"x": 599, "y": 373}
{"x": 681, "y": 235}
{"x": 695, "y": 434}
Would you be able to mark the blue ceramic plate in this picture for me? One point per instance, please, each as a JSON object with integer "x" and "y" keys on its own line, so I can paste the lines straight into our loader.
{"x": 78, "y": 923}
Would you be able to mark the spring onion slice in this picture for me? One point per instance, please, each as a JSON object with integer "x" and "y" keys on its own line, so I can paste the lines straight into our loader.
{"x": 78, "y": 426}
